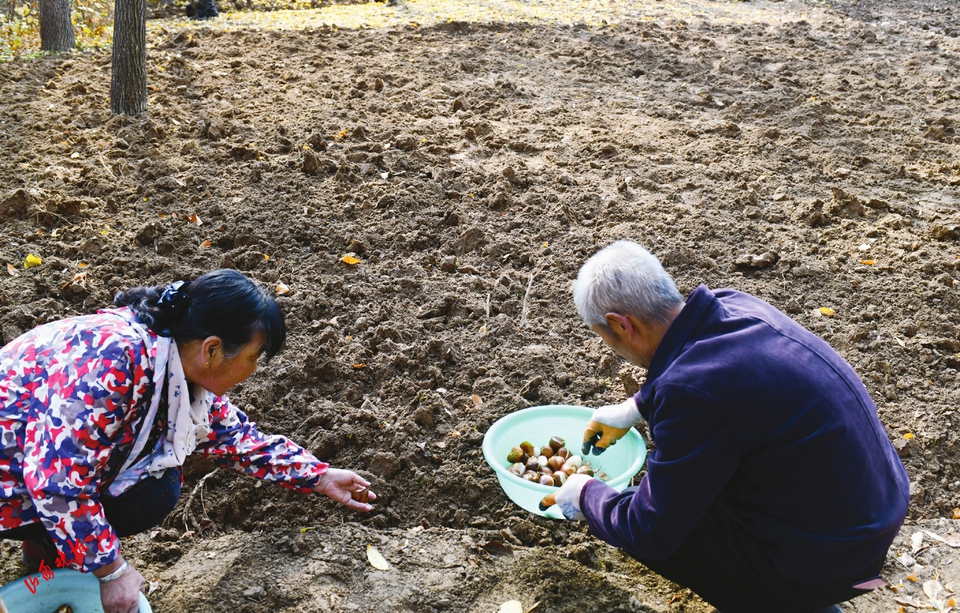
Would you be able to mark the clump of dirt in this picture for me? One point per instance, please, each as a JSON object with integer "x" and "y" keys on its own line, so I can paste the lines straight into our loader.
{"x": 471, "y": 169}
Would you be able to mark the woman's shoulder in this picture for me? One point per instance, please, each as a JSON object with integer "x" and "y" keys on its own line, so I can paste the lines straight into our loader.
{"x": 108, "y": 328}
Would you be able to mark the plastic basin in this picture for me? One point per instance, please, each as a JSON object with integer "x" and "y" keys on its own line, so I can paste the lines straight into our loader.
{"x": 536, "y": 425}
{"x": 79, "y": 590}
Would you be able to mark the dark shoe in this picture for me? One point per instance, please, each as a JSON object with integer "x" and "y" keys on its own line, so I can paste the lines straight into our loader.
{"x": 33, "y": 552}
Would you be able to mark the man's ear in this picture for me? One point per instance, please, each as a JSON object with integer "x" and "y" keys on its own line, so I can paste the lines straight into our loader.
{"x": 619, "y": 324}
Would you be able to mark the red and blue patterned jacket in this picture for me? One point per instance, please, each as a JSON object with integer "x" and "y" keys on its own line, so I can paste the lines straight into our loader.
{"x": 73, "y": 396}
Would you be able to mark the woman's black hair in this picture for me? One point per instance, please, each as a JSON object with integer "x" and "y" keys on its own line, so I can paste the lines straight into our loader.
{"x": 221, "y": 303}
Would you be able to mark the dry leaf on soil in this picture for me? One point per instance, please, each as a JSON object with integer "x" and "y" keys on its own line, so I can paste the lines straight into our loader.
{"x": 932, "y": 589}
{"x": 511, "y": 606}
{"x": 31, "y": 260}
{"x": 916, "y": 541}
{"x": 349, "y": 259}
{"x": 376, "y": 560}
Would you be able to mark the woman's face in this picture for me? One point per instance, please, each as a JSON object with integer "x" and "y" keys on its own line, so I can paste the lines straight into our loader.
{"x": 219, "y": 373}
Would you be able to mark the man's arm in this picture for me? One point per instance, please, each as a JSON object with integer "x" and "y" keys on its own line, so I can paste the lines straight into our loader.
{"x": 698, "y": 449}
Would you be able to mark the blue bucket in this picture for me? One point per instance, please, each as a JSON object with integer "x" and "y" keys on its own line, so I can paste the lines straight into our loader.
{"x": 79, "y": 590}
{"x": 536, "y": 425}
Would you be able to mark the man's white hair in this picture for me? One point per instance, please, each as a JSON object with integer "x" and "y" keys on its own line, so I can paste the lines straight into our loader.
{"x": 627, "y": 279}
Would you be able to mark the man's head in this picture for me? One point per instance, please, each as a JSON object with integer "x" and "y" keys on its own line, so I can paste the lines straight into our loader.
{"x": 624, "y": 295}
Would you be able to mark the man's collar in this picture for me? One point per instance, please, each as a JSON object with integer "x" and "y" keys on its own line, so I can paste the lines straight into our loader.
{"x": 698, "y": 303}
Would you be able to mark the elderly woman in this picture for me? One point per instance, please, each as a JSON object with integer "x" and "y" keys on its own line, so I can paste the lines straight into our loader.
{"x": 99, "y": 412}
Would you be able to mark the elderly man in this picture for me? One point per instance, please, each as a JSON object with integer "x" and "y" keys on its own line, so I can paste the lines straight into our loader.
{"x": 773, "y": 486}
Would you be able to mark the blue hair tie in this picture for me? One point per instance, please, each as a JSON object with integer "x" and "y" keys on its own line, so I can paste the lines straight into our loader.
{"x": 174, "y": 299}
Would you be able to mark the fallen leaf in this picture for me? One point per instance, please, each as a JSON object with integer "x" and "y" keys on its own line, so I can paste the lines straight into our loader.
{"x": 906, "y": 600}
{"x": 12, "y": 270}
{"x": 359, "y": 365}
{"x": 495, "y": 548}
{"x": 906, "y": 559}
{"x": 956, "y": 513}
{"x": 932, "y": 589}
{"x": 953, "y": 539}
{"x": 266, "y": 257}
{"x": 867, "y": 262}
{"x": 154, "y": 586}
{"x": 82, "y": 265}
{"x": 916, "y": 540}
{"x": 195, "y": 219}
{"x": 511, "y": 606}
{"x": 376, "y": 560}
{"x": 77, "y": 280}
{"x": 827, "y": 311}
{"x": 909, "y": 435}
{"x": 282, "y": 289}
{"x": 349, "y": 259}
{"x": 31, "y": 260}
{"x": 205, "y": 244}
{"x": 912, "y": 578}
{"x": 477, "y": 401}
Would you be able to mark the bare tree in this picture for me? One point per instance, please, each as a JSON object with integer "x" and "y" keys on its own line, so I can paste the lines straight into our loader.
{"x": 56, "y": 31}
{"x": 128, "y": 82}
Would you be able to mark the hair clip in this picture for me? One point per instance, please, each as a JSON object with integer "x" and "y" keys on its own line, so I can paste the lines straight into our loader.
{"x": 174, "y": 299}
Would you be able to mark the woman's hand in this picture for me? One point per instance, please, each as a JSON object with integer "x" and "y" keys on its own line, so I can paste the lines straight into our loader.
{"x": 122, "y": 595}
{"x": 347, "y": 488}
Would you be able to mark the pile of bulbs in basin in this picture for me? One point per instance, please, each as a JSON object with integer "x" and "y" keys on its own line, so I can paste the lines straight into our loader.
{"x": 550, "y": 465}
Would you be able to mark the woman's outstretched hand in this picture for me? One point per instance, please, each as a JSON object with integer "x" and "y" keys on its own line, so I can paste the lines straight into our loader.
{"x": 347, "y": 488}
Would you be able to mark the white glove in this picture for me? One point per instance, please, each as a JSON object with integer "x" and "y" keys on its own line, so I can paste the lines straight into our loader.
{"x": 609, "y": 424}
{"x": 568, "y": 497}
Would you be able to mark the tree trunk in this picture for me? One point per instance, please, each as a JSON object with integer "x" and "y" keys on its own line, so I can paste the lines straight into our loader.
{"x": 128, "y": 83}
{"x": 56, "y": 31}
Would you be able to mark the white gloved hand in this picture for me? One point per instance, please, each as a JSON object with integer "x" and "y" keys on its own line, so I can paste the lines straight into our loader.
{"x": 568, "y": 497}
{"x": 608, "y": 425}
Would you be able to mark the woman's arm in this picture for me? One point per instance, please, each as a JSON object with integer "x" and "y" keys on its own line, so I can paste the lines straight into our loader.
{"x": 236, "y": 443}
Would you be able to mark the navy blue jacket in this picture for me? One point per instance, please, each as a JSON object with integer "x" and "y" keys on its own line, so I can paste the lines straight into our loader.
{"x": 750, "y": 410}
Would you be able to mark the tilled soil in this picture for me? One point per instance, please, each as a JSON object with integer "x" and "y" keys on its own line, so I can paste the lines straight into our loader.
{"x": 805, "y": 153}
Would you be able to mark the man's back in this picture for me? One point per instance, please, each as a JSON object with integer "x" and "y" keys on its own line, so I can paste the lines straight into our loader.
{"x": 751, "y": 411}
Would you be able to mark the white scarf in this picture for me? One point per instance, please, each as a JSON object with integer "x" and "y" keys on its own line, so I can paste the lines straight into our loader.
{"x": 188, "y": 423}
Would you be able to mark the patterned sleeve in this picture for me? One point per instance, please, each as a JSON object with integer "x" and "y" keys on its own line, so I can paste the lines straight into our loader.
{"x": 236, "y": 443}
{"x": 75, "y": 417}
